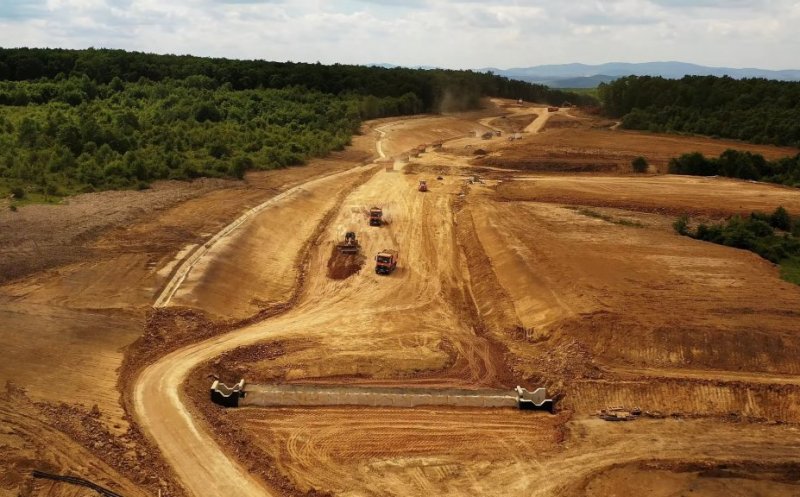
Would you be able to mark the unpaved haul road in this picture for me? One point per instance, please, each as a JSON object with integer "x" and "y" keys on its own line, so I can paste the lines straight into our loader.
{"x": 416, "y": 320}
{"x": 429, "y": 281}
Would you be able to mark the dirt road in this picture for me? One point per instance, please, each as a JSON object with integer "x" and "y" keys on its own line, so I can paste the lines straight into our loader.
{"x": 347, "y": 313}
{"x": 473, "y": 274}
{"x": 574, "y": 280}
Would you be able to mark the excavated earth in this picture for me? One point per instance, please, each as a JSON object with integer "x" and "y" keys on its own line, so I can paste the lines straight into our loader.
{"x": 507, "y": 275}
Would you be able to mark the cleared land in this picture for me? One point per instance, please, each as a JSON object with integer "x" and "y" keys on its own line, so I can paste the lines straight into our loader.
{"x": 576, "y": 142}
{"x": 658, "y": 194}
{"x": 576, "y": 282}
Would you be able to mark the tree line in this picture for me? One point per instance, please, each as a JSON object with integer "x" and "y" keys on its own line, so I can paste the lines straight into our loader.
{"x": 75, "y": 135}
{"x": 755, "y": 110}
{"x": 739, "y": 164}
{"x": 84, "y": 120}
{"x": 438, "y": 89}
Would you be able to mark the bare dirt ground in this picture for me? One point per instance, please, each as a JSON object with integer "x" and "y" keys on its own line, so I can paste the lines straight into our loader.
{"x": 497, "y": 285}
{"x": 665, "y": 194}
{"x": 67, "y": 327}
{"x": 576, "y": 142}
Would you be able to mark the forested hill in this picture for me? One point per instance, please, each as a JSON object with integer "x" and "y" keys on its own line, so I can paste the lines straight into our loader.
{"x": 437, "y": 89}
{"x": 755, "y": 110}
{"x": 83, "y": 120}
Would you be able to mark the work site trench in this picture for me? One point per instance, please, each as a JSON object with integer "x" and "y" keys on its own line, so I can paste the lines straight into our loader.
{"x": 255, "y": 395}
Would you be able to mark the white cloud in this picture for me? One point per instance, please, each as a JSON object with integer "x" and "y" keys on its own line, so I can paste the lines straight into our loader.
{"x": 448, "y": 33}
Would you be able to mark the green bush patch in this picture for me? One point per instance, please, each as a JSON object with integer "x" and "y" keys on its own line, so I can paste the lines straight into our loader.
{"x": 774, "y": 237}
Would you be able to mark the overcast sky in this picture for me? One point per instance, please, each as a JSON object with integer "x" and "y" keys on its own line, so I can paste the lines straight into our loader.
{"x": 444, "y": 33}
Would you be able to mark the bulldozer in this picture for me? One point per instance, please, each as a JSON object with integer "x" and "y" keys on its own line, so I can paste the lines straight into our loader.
{"x": 350, "y": 244}
{"x": 376, "y": 216}
{"x": 386, "y": 261}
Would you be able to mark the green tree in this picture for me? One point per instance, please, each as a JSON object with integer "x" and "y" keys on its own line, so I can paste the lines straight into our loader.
{"x": 781, "y": 219}
{"x": 639, "y": 165}
{"x": 681, "y": 225}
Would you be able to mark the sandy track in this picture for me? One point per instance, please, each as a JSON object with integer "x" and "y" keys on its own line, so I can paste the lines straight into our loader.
{"x": 196, "y": 257}
{"x": 572, "y": 291}
{"x": 475, "y": 452}
{"x": 347, "y": 313}
{"x": 401, "y": 451}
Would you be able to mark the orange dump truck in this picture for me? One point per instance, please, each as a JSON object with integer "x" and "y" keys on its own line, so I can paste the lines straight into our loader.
{"x": 386, "y": 261}
{"x": 376, "y": 216}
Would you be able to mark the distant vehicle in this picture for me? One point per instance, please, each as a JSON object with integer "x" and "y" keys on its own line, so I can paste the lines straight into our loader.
{"x": 386, "y": 261}
{"x": 376, "y": 216}
{"x": 552, "y": 109}
{"x": 488, "y": 135}
{"x": 423, "y": 185}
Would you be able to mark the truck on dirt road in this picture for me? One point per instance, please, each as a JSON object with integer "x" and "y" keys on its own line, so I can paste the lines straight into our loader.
{"x": 376, "y": 216}
{"x": 386, "y": 261}
{"x": 423, "y": 185}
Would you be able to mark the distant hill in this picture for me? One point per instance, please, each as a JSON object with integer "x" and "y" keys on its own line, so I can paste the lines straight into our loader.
{"x": 583, "y": 75}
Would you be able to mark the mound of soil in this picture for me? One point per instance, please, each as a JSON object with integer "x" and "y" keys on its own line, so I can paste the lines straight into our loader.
{"x": 513, "y": 124}
{"x": 342, "y": 266}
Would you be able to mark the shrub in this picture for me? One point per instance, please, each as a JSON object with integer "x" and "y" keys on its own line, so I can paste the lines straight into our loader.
{"x": 639, "y": 165}
{"x": 754, "y": 233}
{"x": 780, "y": 219}
{"x": 18, "y": 192}
{"x": 681, "y": 225}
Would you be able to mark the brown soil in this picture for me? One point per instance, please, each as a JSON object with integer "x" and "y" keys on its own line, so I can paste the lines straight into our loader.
{"x": 570, "y": 144}
{"x": 512, "y": 124}
{"x": 745, "y": 479}
{"x": 38, "y": 237}
{"x": 573, "y": 282}
{"x": 62, "y": 439}
{"x": 670, "y": 195}
{"x": 341, "y": 266}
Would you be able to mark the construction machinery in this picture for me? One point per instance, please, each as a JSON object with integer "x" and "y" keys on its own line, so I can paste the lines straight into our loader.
{"x": 386, "y": 261}
{"x": 423, "y": 185}
{"x": 350, "y": 244}
{"x": 552, "y": 109}
{"x": 376, "y": 216}
{"x": 619, "y": 413}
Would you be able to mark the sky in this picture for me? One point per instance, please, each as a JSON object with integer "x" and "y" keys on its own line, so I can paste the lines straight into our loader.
{"x": 455, "y": 34}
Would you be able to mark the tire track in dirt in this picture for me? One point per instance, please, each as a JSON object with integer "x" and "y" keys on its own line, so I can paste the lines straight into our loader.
{"x": 193, "y": 258}
{"x": 206, "y": 470}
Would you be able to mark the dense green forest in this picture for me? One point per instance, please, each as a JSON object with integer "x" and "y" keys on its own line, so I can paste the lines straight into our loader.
{"x": 754, "y": 110}
{"x": 81, "y": 136}
{"x": 738, "y": 164}
{"x": 85, "y": 120}
{"x": 775, "y": 237}
{"x": 438, "y": 89}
